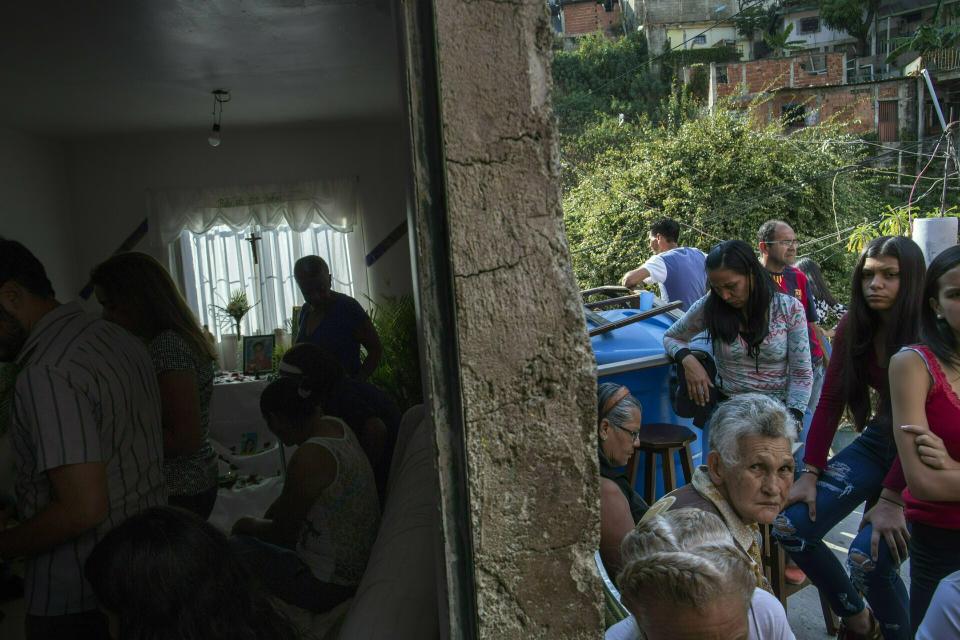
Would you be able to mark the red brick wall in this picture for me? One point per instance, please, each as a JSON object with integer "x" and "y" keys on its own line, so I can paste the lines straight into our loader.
{"x": 773, "y": 74}
{"x": 850, "y": 103}
{"x": 581, "y": 18}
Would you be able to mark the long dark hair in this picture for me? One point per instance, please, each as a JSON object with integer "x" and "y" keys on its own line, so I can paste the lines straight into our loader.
{"x": 862, "y": 323}
{"x": 937, "y": 334}
{"x": 815, "y": 281}
{"x": 141, "y": 284}
{"x": 168, "y": 575}
{"x": 723, "y": 321}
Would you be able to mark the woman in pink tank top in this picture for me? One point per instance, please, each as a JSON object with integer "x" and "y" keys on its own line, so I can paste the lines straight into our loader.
{"x": 924, "y": 386}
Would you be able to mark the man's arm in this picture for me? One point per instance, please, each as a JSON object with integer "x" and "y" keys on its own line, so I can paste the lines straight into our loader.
{"x": 366, "y": 334}
{"x": 633, "y": 278}
{"x": 79, "y": 502}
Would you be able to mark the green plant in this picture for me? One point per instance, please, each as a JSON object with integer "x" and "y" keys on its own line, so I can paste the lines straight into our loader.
{"x": 399, "y": 370}
{"x": 233, "y": 312}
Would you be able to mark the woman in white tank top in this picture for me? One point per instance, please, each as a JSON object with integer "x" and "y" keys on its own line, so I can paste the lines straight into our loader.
{"x": 312, "y": 545}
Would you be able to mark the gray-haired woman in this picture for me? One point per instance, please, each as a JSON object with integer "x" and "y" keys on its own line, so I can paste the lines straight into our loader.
{"x": 618, "y": 434}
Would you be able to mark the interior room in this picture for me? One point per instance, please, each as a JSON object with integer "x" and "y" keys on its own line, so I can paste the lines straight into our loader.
{"x": 169, "y": 112}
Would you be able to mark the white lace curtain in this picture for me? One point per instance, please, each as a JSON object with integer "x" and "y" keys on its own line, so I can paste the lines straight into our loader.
{"x": 333, "y": 202}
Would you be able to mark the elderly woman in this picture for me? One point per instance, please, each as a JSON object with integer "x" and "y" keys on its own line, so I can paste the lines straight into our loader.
{"x": 702, "y": 591}
{"x": 618, "y": 432}
{"x": 695, "y": 531}
{"x": 748, "y": 474}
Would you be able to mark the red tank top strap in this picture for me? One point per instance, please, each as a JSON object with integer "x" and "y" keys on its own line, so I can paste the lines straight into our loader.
{"x": 933, "y": 367}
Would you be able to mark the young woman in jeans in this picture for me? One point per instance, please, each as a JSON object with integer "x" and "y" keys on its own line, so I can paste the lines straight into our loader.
{"x": 924, "y": 386}
{"x": 885, "y": 296}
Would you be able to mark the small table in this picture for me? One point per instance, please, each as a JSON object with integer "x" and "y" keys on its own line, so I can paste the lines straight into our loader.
{"x": 239, "y": 435}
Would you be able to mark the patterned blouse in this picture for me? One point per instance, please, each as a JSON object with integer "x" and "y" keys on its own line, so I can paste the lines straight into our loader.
{"x": 196, "y": 472}
{"x": 782, "y": 370}
{"x": 341, "y": 526}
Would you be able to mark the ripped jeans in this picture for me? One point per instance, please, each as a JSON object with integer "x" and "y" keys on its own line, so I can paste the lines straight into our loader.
{"x": 851, "y": 477}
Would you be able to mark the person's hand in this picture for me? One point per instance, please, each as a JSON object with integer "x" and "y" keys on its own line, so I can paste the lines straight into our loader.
{"x": 930, "y": 448}
{"x": 698, "y": 381}
{"x": 889, "y": 523}
{"x": 627, "y": 280}
{"x": 805, "y": 490}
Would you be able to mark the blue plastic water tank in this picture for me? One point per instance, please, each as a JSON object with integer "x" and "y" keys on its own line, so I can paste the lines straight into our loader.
{"x": 638, "y": 348}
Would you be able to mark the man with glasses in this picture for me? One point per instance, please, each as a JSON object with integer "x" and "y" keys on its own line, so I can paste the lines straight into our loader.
{"x": 778, "y": 251}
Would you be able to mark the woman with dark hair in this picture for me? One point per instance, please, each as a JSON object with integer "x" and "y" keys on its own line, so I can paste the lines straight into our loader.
{"x": 829, "y": 309}
{"x": 137, "y": 293}
{"x": 311, "y": 547}
{"x": 759, "y": 335}
{"x": 924, "y": 385}
{"x": 372, "y": 414}
{"x": 165, "y": 574}
{"x": 618, "y": 434}
{"x": 885, "y": 295}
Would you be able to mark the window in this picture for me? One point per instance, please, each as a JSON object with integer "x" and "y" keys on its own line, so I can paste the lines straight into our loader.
{"x": 793, "y": 114}
{"x": 220, "y": 261}
{"x": 700, "y": 39}
{"x": 722, "y": 74}
{"x": 809, "y": 25}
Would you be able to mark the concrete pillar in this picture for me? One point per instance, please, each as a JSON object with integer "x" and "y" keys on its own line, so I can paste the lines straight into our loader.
{"x": 525, "y": 376}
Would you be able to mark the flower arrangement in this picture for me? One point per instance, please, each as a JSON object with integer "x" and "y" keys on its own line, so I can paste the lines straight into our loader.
{"x": 234, "y": 311}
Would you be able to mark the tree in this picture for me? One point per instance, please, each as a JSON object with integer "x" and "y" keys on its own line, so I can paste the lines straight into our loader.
{"x": 720, "y": 176}
{"x": 853, "y": 16}
{"x": 780, "y": 43}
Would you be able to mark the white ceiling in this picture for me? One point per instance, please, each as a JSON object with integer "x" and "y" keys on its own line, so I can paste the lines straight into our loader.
{"x": 73, "y": 67}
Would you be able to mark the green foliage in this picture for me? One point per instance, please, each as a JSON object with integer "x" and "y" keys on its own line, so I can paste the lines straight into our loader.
{"x": 780, "y": 43}
{"x": 758, "y": 19}
{"x": 894, "y": 221}
{"x": 720, "y": 176}
{"x": 941, "y": 32}
{"x": 853, "y": 16}
{"x": 603, "y": 77}
{"x": 399, "y": 370}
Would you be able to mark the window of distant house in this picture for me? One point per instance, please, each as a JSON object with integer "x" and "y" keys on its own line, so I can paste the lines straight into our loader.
{"x": 793, "y": 114}
{"x": 722, "y": 74}
{"x": 220, "y": 262}
{"x": 809, "y": 25}
{"x": 700, "y": 39}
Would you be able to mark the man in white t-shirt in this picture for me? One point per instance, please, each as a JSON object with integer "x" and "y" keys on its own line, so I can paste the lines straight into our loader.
{"x": 678, "y": 270}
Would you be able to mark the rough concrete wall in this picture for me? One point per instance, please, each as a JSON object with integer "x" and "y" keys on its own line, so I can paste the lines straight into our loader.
{"x": 527, "y": 372}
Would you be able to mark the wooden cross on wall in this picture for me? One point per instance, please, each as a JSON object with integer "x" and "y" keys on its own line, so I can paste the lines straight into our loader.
{"x": 253, "y": 239}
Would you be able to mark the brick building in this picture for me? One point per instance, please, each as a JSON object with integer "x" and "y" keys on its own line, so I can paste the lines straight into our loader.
{"x": 810, "y": 88}
{"x": 583, "y": 17}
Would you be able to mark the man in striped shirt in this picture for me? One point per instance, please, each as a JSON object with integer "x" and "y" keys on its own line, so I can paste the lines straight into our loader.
{"x": 87, "y": 441}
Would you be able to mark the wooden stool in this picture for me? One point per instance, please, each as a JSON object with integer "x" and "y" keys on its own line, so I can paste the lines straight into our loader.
{"x": 664, "y": 440}
{"x": 774, "y": 562}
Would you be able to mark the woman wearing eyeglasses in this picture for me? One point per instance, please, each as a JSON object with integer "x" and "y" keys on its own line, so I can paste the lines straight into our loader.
{"x": 618, "y": 434}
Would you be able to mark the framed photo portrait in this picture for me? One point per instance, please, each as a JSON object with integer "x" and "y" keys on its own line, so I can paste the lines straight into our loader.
{"x": 258, "y": 353}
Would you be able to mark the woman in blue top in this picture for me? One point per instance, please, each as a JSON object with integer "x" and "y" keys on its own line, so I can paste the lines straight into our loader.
{"x": 335, "y": 321}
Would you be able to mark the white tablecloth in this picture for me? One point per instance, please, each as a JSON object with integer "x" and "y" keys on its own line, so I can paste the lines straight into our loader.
{"x": 236, "y": 425}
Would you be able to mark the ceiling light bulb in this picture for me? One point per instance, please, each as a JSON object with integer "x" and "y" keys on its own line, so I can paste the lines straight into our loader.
{"x": 214, "y": 138}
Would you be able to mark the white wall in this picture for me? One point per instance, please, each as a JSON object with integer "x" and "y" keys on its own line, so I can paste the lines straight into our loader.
{"x": 34, "y": 206}
{"x": 110, "y": 177}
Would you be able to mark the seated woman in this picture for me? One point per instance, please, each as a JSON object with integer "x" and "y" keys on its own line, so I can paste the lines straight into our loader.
{"x": 137, "y": 293}
{"x": 335, "y": 321}
{"x": 368, "y": 410}
{"x": 312, "y": 546}
{"x": 690, "y": 530}
{"x": 618, "y": 431}
{"x": 165, "y": 574}
{"x": 675, "y": 592}
{"x": 748, "y": 474}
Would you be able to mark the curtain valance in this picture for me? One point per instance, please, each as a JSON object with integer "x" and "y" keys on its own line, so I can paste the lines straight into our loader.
{"x": 332, "y": 201}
